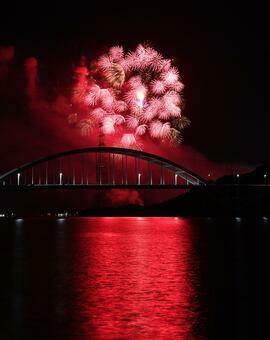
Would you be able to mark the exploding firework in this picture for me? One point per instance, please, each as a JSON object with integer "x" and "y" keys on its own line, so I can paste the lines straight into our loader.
{"x": 132, "y": 96}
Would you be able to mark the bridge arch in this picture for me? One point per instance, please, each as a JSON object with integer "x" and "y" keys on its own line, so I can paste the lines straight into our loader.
{"x": 57, "y": 169}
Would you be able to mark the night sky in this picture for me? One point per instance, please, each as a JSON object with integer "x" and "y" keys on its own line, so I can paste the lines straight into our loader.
{"x": 222, "y": 53}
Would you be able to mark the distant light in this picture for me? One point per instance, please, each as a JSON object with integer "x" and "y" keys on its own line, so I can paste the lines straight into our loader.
{"x": 209, "y": 175}
{"x": 264, "y": 175}
{"x": 64, "y": 214}
{"x": 265, "y": 218}
{"x": 238, "y": 219}
{"x": 237, "y": 175}
{"x": 2, "y": 215}
{"x": 139, "y": 178}
{"x": 18, "y": 177}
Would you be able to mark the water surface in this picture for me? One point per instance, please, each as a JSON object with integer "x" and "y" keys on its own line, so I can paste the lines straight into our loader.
{"x": 126, "y": 277}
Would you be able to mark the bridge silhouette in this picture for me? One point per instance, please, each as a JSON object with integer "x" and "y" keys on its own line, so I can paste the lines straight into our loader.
{"x": 100, "y": 167}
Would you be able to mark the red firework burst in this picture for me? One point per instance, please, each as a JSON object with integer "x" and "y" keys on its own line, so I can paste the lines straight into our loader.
{"x": 133, "y": 95}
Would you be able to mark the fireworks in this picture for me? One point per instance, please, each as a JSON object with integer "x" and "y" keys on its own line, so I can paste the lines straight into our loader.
{"x": 132, "y": 95}
{"x": 128, "y": 140}
{"x": 115, "y": 75}
{"x": 159, "y": 129}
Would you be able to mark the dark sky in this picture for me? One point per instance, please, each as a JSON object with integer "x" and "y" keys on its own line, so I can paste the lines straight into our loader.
{"x": 222, "y": 53}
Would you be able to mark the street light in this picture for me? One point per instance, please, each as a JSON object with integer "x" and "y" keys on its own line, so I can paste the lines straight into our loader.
{"x": 18, "y": 178}
{"x": 175, "y": 179}
{"x": 139, "y": 179}
{"x": 60, "y": 178}
{"x": 265, "y": 176}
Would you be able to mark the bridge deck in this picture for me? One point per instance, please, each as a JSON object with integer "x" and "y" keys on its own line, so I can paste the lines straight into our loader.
{"x": 29, "y": 187}
{"x": 92, "y": 186}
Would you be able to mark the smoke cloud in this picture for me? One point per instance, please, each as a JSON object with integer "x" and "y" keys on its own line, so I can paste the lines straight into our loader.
{"x": 118, "y": 197}
{"x": 6, "y": 53}
{"x": 31, "y": 72}
{"x": 6, "y": 56}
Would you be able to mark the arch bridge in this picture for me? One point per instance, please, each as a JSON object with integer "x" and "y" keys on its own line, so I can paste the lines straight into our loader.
{"x": 100, "y": 167}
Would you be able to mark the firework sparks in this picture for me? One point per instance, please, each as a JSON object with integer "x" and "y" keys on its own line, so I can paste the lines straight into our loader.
{"x": 128, "y": 140}
{"x": 115, "y": 75}
{"x": 158, "y": 87}
{"x": 139, "y": 90}
{"x": 141, "y": 130}
{"x": 159, "y": 129}
{"x": 132, "y": 122}
{"x": 108, "y": 125}
{"x": 92, "y": 95}
{"x": 140, "y": 94}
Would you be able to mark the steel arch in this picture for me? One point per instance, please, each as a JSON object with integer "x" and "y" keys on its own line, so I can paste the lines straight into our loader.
{"x": 177, "y": 169}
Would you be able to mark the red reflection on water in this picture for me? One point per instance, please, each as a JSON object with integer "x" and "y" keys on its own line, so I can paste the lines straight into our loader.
{"x": 135, "y": 277}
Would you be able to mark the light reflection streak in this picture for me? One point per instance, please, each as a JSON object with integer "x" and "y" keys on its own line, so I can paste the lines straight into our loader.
{"x": 136, "y": 277}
